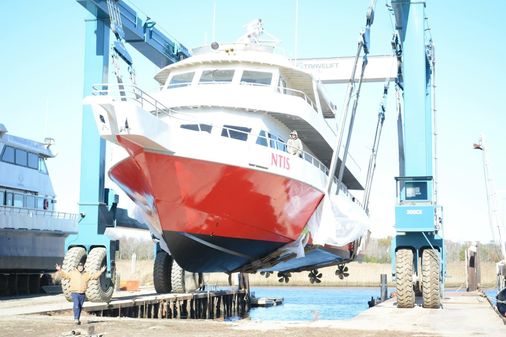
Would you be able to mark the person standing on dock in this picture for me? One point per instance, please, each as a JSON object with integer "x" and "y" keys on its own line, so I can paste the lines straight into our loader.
{"x": 294, "y": 144}
{"x": 78, "y": 285}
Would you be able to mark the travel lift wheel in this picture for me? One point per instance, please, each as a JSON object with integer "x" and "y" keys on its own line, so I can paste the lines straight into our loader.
{"x": 430, "y": 279}
{"x": 404, "y": 278}
{"x": 162, "y": 272}
{"x": 72, "y": 258}
{"x": 183, "y": 281}
{"x": 101, "y": 289}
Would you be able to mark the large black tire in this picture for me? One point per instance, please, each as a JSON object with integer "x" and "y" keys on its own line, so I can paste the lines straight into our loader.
{"x": 404, "y": 278}
{"x": 430, "y": 279}
{"x": 183, "y": 281}
{"x": 72, "y": 258}
{"x": 101, "y": 289}
{"x": 162, "y": 270}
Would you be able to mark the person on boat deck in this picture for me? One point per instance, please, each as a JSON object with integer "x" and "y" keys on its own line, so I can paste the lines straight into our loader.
{"x": 294, "y": 145}
{"x": 78, "y": 284}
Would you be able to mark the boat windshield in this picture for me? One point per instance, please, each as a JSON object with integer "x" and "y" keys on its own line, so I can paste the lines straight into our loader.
{"x": 256, "y": 77}
{"x": 181, "y": 80}
{"x": 23, "y": 158}
{"x": 216, "y": 75}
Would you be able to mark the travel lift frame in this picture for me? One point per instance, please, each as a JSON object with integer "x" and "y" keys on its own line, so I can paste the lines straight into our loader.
{"x": 414, "y": 217}
{"x": 418, "y": 252}
{"x": 98, "y": 204}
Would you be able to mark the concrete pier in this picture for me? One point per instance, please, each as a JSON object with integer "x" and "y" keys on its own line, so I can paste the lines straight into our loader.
{"x": 463, "y": 314}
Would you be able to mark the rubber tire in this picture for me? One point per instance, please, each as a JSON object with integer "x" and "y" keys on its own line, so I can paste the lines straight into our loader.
{"x": 72, "y": 258}
{"x": 183, "y": 281}
{"x": 101, "y": 289}
{"x": 34, "y": 284}
{"x": 404, "y": 278}
{"x": 162, "y": 270}
{"x": 430, "y": 279}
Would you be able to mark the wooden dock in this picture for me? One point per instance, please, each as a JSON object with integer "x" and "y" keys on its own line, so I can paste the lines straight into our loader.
{"x": 144, "y": 304}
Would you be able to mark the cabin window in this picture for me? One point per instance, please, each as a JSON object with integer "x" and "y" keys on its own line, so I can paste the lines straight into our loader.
{"x": 42, "y": 166}
{"x": 197, "y": 127}
{"x": 181, "y": 80}
{"x": 40, "y": 203}
{"x": 276, "y": 142}
{"x": 8, "y": 155}
{"x": 262, "y": 139}
{"x": 256, "y": 77}
{"x": 18, "y": 200}
{"x": 236, "y": 132}
{"x": 217, "y": 76}
{"x": 33, "y": 161}
{"x": 30, "y": 201}
{"x": 2, "y": 198}
{"x": 9, "y": 199}
{"x": 21, "y": 157}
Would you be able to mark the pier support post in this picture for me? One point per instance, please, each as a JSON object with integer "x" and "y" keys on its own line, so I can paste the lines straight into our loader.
{"x": 383, "y": 287}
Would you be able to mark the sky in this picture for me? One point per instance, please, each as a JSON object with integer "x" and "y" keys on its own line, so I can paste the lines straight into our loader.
{"x": 42, "y": 71}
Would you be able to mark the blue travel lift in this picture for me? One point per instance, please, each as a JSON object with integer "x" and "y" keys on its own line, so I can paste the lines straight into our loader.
{"x": 97, "y": 204}
{"x": 418, "y": 253}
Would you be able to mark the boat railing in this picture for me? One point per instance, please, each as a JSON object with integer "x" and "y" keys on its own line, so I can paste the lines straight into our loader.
{"x": 38, "y": 212}
{"x": 297, "y": 93}
{"x": 281, "y": 89}
{"x": 315, "y": 162}
{"x": 286, "y": 91}
{"x": 129, "y": 92}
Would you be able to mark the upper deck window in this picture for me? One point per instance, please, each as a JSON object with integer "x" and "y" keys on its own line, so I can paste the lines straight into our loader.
{"x": 217, "y": 76}
{"x": 181, "y": 80}
{"x": 262, "y": 139}
{"x": 42, "y": 166}
{"x": 21, "y": 157}
{"x": 197, "y": 127}
{"x": 33, "y": 161}
{"x": 8, "y": 155}
{"x": 236, "y": 132}
{"x": 256, "y": 77}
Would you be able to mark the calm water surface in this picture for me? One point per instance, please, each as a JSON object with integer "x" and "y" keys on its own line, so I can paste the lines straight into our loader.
{"x": 312, "y": 303}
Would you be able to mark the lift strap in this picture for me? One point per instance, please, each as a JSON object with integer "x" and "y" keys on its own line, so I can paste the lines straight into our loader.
{"x": 374, "y": 150}
{"x": 363, "y": 44}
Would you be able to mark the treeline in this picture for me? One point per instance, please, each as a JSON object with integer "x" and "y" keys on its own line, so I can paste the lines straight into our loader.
{"x": 143, "y": 249}
{"x": 378, "y": 251}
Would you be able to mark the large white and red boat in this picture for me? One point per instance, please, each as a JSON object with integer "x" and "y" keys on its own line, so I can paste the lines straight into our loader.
{"x": 209, "y": 167}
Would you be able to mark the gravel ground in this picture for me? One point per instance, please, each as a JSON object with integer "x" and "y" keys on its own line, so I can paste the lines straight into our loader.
{"x": 51, "y": 326}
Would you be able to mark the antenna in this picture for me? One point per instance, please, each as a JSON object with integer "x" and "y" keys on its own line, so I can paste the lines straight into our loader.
{"x": 213, "y": 31}
{"x": 296, "y": 31}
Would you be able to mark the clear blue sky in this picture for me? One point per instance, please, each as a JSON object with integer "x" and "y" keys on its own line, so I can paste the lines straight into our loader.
{"x": 41, "y": 84}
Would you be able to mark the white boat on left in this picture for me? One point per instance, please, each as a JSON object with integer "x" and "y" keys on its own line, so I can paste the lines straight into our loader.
{"x": 32, "y": 232}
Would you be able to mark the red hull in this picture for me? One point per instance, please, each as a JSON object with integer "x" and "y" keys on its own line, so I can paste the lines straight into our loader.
{"x": 213, "y": 199}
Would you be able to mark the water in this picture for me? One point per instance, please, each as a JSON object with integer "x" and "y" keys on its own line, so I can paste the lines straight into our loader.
{"x": 312, "y": 303}
{"x": 315, "y": 303}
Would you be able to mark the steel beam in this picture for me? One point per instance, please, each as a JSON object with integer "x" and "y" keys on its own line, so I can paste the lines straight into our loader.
{"x": 335, "y": 70}
{"x": 143, "y": 36}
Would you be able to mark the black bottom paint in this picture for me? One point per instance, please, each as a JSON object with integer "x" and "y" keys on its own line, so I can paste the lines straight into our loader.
{"x": 203, "y": 253}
